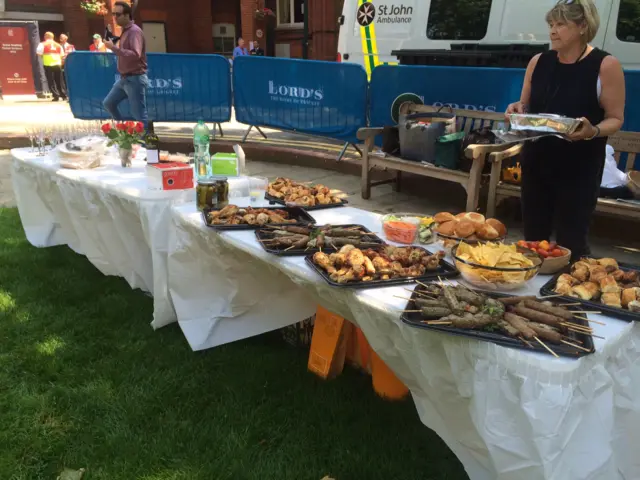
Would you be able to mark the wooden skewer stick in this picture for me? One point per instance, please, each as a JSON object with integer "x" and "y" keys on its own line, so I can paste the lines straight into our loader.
{"x": 422, "y": 294}
{"x": 403, "y": 298}
{"x": 525, "y": 342}
{"x": 545, "y": 347}
{"x": 568, "y": 304}
{"x": 595, "y": 312}
{"x": 550, "y": 296}
{"x": 412, "y": 311}
{"x": 572, "y": 339}
{"x": 576, "y": 346}
{"x": 577, "y": 326}
{"x": 436, "y": 322}
{"x": 591, "y": 321}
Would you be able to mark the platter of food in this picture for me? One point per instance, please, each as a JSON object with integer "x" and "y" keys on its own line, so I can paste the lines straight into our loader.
{"x": 527, "y": 323}
{"x": 233, "y": 217}
{"x": 496, "y": 266}
{"x": 603, "y": 284}
{"x": 469, "y": 227}
{"x": 384, "y": 266}
{"x": 408, "y": 228}
{"x": 311, "y": 197}
{"x": 305, "y": 240}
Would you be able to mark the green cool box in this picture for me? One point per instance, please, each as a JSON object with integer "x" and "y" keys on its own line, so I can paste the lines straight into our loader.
{"x": 224, "y": 164}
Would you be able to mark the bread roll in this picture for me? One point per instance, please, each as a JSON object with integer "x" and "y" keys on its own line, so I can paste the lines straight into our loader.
{"x": 587, "y": 291}
{"x": 566, "y": 278}
{"x": 618, "y": 275}
{"x": 634, "y": 306}
{"x": 487, "y": 232}
{"x": 609, "y": 285}
{"x": 465, "y": 229}
{"x": 447, "y": 228}
{"x": 476, "y": 218}
{"x": 443, "y": 217}
{"x": 461, "y": 216}
{"x": 564, "y": 289}
{"x": 629, "y": 295}
{"x": 597, "y": 273}
{"x": 609, "y": 263}
{"x": 581, "y": 274}
{"x": 631, "y": 276}
{"x": 498, "y": 225}
{"x": 611, "y": 299}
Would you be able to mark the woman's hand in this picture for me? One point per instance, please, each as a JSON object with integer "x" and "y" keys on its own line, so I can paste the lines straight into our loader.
{"x": 517, "y": 107}
{"x": 586, "y": 131}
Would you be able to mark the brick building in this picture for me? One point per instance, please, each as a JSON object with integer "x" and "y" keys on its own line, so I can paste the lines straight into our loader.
{"x": 198, "y": 26}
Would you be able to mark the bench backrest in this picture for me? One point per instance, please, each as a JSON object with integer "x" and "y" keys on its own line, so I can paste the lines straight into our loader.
{"x": 626, "y": 142}
{"x": 467, "y": 120}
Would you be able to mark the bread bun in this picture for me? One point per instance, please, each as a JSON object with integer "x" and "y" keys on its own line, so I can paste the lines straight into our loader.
{"x": 498, "y": 225}
{"x": 447, "y": 228}
{"x": 461, "y": 216}
{"x": 629, "y": 295}
{"x": 465, "y": 229}
{"x": 443, "y": 217}
{"x": 487, "y": 232}
{"x": 476, "y": 218}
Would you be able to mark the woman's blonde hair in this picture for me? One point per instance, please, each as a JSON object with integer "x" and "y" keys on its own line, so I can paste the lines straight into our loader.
{"x": 581, "y": 12}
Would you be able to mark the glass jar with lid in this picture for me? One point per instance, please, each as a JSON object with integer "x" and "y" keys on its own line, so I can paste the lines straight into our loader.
{"x": 212, "y": 193}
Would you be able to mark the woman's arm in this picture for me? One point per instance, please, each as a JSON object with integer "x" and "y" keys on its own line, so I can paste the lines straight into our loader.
{"x": 612, "y": 99}
{"x": 525, "y": 96}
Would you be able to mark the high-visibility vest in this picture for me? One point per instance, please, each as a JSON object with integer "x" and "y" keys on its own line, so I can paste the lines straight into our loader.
{"x": 52, "y": 54}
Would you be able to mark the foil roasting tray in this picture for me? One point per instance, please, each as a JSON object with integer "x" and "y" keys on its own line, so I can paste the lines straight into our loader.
{"x": 546, "y": 123}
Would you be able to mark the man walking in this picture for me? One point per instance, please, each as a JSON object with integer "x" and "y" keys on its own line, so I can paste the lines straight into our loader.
{"x": 132, "y": 66}
{"x": 67, "y": 49}
{"x": 52, "y": 53}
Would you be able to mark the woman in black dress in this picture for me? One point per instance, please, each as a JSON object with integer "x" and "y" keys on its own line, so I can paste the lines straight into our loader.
{"x": 560, "y": 178}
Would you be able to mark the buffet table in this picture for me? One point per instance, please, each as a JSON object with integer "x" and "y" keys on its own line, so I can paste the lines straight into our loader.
{"x": 109, "y": 214}
{"x": 505, "y": 413}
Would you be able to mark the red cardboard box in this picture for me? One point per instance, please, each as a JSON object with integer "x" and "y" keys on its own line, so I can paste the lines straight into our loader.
{"x": 170, "y": 176}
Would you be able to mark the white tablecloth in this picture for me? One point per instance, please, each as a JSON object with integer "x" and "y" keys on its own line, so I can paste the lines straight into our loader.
{"x": 108, "y": 214}
{"x": 506, "y": 414}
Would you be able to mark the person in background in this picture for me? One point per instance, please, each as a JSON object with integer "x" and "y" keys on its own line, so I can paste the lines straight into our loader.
{"x": 257, "y": 50}
{"x": 132, "y": 66}
{"x": 98, "y": 45}
{"x": 240, "y": 50}
{"x": 67, "y": 48}
{"x": 52, "y": 53}
{"x": 560, "y": 178}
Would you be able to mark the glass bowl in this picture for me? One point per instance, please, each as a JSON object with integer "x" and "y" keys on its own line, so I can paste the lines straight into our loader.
{"x": 497, "y": 278}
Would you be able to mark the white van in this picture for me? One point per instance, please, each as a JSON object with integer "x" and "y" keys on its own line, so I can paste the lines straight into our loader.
{"x": 503, "y": 33}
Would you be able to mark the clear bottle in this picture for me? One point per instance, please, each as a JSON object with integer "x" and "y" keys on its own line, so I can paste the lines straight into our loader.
{"x": 202, "y": 164}
{"x": 201, "y": 137}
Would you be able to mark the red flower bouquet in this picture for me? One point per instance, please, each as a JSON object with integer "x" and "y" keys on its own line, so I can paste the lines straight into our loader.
{"x": 124, "y": 134}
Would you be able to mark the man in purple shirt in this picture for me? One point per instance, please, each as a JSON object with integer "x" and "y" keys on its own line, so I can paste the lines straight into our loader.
{"x": 132, "y": 66}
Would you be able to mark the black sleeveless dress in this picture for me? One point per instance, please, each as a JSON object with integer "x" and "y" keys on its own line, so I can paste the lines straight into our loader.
{"x": 561, "y": 179}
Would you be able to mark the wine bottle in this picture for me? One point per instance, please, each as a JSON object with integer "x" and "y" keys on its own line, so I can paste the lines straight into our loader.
{"x": 152, "y": 144}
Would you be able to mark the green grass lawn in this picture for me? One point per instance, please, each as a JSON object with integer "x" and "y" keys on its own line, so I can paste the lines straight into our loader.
{"x": 85, "y": 382}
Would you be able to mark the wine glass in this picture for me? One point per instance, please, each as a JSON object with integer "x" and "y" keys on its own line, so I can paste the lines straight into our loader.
{"x": 31, "y": 134}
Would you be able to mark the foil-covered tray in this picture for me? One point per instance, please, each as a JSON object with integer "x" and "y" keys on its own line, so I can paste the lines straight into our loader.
{"x": 547, "y": 123}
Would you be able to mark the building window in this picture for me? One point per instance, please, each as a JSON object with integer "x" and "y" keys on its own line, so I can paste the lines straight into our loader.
{"x": 458, "y": 19}
{"x": 290, "y": 12}
{"x": 628, "y": 29}
{"x": 224, "y": 40}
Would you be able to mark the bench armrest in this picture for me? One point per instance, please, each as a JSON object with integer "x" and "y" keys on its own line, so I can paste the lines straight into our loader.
{"x": 504, "y": 154}
{"x": 366, "y": 133}
{"x": 476, "y": 151}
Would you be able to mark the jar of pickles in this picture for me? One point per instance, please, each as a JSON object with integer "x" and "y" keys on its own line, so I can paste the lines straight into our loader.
{"x": 212, "y": 192}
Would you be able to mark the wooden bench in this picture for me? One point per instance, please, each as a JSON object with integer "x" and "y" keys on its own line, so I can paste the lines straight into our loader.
{"x": 467, "y": 120}
{"x": 622, "y": 142}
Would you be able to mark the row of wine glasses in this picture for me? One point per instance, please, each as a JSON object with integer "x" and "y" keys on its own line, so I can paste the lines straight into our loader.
{"x": 44, "y": 138}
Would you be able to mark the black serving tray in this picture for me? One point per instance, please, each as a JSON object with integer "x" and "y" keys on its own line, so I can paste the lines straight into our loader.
{"x": 621, "y": 313}
{"x": 446, "y": 270}
{"x": 297, "y": 213}
{"x": 264, "y": 234}
{"x": 500, "y": 338}
{"x": 279, "y": 201}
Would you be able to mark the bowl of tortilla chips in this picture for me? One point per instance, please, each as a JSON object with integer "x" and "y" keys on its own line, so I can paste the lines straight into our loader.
{"x": 496, "y": 266}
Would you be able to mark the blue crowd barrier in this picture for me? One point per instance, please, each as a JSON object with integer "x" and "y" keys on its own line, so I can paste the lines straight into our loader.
{"x": 482, "y": 89}
{"x": 182, "y": 88}
{"x": 320, "y": 98}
